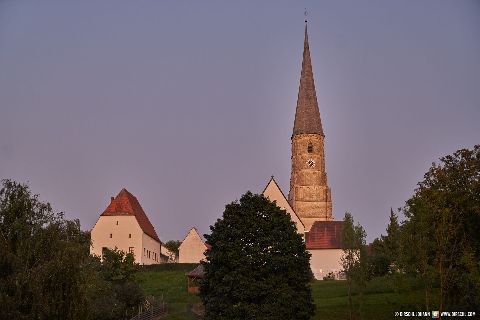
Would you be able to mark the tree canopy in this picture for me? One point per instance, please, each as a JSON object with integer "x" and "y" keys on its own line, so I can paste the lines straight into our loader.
{"x": 257, "y": 266}
{"x": 46, "y": 271}
{"x": 441, "y": 234}
{"x": 354, "y": 259}
{"x": 173, "y": 246}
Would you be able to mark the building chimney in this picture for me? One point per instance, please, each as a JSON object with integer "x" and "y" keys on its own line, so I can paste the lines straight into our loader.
{"x": 111, "y": 199}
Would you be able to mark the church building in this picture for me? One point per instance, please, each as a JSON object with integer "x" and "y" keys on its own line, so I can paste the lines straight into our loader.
{"x": 309, "y": 201}
{"x": 309, "y": 196}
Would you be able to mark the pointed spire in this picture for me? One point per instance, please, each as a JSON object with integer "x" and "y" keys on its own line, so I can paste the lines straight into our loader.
{"x": 307, "y": 115}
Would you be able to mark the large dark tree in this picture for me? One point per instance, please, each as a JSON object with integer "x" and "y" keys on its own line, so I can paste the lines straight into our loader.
{"x": 257, "y": 266}
{"x": 41, "y": 259}
{"x": 46, "y": 271}
{"x": 441, "y": 234}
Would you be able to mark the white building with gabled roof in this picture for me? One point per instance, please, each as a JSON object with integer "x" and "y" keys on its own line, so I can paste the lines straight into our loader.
{"x": 273, "y": 192}
{"x": 125, "y": 226}
{"x": 192, "y": 249}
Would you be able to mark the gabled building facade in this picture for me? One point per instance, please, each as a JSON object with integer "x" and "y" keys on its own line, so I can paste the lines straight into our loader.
{"x": 125, "y": 226}
{"x": 192, "y": 249}
{"x": 273, "y": 192}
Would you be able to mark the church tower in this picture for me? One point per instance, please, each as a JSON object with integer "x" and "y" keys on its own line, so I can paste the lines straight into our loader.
{"x": 309, "y": 196}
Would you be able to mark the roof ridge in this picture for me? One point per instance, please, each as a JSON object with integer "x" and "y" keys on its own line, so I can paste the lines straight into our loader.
{"x": 283, "y": 195}
{"x": 126, "y": 203}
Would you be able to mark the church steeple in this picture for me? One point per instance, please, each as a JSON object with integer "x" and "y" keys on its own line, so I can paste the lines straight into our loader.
{"x": 309, "y": 196}
{"x": 307, "y": 115}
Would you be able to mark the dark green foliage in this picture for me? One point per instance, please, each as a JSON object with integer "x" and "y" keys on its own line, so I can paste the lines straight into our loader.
{"x": 392, "y": 242}
{"x": 173, "y": 246}
{"x": 329, "y": 277}
{"x": 378, "y": 263}
{"x": 118, "y": 266}
{"x": 257, "y": 267}
{"x": 385, "y": 251}
{"x": 46, "y": 271}
{"x": 116, "y": 295}
{"x": 41, "y": 259}
{"x": 441, "y": 234}
{"x": 354, "y": 261}
{"x": 184, "y": 267}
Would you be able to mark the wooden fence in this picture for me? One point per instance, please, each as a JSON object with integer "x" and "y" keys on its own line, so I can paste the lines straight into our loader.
{"x": 153, "y": 313}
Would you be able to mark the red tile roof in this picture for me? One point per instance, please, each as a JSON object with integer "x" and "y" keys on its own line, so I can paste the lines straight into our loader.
{"x": 126, "y": 204}
{"x": 325, "y": 235}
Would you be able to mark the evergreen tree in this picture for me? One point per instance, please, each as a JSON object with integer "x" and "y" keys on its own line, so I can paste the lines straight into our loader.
{"x": 257, "y": 266}
{"x": 378, "y": 261}
{"x": 392, "y": 242}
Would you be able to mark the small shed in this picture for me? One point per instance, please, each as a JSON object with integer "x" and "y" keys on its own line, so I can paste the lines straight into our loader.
{"x": 193, "y": 278}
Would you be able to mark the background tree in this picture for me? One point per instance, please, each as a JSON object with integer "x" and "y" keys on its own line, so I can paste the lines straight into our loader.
{"x": 46, "y": 271}
{"x": 41, "y": 259}
{"x": 173, "y": 246}
{"x": 115, "y": 294}
{"x": 354, "y": 260}
{"x": 378, "y": 261}
{"x": 385, "y": 250}
{"x": 392, "y": 241}
{"x": 257, "y": 267}
{"x": 441, "y": 235}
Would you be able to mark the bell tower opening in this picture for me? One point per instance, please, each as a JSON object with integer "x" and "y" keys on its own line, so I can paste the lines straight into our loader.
{"x": 310, "y": 148}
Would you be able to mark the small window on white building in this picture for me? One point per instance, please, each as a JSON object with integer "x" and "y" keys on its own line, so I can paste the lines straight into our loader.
{"x": 129, "y": 235}
{"x": 117, "y": 222}
{"x": 110, "y": 235}
{"x": 130, "y": 249}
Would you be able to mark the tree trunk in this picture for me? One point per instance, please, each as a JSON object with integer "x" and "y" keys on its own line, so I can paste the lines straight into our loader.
{"x": 350, "y": 304}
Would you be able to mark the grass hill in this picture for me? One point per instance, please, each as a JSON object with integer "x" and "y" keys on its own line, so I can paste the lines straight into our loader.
{"x": 382, "y": 297}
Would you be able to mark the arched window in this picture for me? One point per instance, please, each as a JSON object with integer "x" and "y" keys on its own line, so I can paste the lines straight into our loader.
{"x": 310, "y": 148}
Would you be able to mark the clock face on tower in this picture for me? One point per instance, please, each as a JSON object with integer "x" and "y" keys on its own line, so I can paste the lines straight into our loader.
{"x": 311, "y": 163}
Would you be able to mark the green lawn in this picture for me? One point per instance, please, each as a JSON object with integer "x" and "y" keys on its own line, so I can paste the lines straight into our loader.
{"x": 382, "y": 297}
{"x": 169, "y": 281}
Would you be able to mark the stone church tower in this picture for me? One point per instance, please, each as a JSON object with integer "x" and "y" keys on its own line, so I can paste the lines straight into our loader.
{"x": 309, "y": 196}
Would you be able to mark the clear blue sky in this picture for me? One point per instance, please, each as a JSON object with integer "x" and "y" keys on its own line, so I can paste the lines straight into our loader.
{"x": 188, "y": 104}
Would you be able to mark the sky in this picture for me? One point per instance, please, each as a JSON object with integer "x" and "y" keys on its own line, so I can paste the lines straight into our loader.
{"x": 189, "y": 104}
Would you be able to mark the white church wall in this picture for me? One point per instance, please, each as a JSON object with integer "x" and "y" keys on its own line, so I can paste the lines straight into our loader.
{"x": 274, "y": 193}
{"x": 324, "y": 261}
